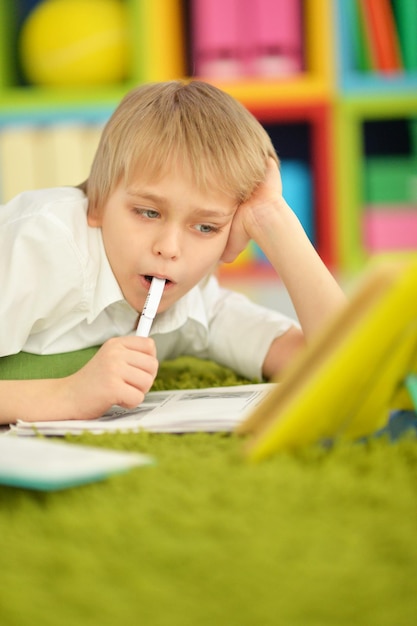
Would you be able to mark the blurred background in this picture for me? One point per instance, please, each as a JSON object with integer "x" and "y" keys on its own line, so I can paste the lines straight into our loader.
{"x": 334, "y": 82}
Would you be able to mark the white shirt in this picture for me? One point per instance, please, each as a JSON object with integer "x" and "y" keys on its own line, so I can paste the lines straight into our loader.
{"x": 58, "y": 293}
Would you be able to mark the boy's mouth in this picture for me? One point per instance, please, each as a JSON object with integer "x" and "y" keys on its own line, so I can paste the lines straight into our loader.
{"x": 148, "y": 278}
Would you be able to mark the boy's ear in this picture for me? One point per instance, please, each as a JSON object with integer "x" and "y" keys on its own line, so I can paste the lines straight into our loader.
{"x": 94, "y": 217}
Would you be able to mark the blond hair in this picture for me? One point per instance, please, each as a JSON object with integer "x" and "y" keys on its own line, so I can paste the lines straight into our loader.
{"x": 191, "y": 124}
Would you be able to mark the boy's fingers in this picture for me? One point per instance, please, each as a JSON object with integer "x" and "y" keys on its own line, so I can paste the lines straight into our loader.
{"x": 238, "y": 239}
{"x": 236, "y": 243}
{"x": 144, "y": 344}
{"x": 132, "y": 342}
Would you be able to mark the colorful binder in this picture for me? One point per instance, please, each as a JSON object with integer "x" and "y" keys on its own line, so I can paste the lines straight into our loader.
{"x": 216, "y": 38}
{"x": 272, "y": 37}
{"x": 234, "y": 38}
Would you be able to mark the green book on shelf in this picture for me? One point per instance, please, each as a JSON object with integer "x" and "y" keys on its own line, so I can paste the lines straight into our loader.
{"x": 360, "y": 47}
{"x": 406, "y": 17}
{"x": 389, "y": 180}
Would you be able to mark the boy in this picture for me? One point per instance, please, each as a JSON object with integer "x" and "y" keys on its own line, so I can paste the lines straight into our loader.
{"x": 183, "y": 178}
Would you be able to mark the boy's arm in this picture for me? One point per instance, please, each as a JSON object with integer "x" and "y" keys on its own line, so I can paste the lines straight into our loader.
{"x": 121, "y": 372}
{"x": 268, "y": 220}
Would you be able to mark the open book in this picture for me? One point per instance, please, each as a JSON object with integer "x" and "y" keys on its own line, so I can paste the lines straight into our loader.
{"x": 180, "y": 411}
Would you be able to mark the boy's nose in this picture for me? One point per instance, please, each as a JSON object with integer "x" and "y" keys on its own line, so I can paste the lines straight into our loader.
{"x": 167, "y": 244}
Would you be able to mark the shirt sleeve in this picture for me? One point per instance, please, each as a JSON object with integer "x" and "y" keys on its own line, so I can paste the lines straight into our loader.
{"x": 41, "y": 278}
{"x": 240, "y": 331}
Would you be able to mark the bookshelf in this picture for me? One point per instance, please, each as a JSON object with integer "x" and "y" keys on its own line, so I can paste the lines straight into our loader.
{"x": 329, "y": 98}
{"x": 350, "y": 114}
{"x": 375, "y": 216}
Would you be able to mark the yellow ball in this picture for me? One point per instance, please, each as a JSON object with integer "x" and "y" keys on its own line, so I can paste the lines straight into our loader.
{"x": 75, "y": 43}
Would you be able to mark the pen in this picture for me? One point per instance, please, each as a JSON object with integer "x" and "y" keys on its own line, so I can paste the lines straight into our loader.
{"x": 151, "y": 306}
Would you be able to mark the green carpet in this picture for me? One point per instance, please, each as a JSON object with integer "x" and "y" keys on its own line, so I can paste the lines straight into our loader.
{"x": 321, "y": 537}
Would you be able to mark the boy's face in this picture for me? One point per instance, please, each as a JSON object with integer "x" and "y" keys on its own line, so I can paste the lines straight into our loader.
{"x": 167, "y": 229}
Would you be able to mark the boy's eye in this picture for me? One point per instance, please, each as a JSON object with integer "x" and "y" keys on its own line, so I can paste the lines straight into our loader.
{"x": 149, "y": 213}
{"x": 206, "y": 228}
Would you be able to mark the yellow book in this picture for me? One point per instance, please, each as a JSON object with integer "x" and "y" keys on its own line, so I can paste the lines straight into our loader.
{"x": 345, "y": 383}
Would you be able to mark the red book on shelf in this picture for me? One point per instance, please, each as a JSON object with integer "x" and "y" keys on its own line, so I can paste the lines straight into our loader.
{"x": 382, "y": 36}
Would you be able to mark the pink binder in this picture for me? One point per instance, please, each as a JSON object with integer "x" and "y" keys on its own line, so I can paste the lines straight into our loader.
{"x": 272, "y": 37}
{"x": 390, "y": 227}
{"x": 234, "y": 38}
{"x": 216, "y": 38}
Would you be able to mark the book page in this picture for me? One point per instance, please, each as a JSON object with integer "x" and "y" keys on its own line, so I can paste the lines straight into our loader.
{"x": 212, "y": 409}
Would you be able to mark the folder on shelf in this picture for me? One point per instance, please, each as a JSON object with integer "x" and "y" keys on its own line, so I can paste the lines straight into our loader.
{"x": 216, "y": 38}
{"x": 272, "y": 37}
{"x": 346, "y": 382}
{"x": 389, "y": 227}
{"x": 38, "y": 156}
{"x": 17, "y": 160}
{"x": 232, "y": 38}
{"x": 64, "y": 154}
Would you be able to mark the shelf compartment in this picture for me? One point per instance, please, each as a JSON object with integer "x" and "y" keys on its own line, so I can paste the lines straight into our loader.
{"x": 350, "y": 115}
{"x": 353, "y": 81}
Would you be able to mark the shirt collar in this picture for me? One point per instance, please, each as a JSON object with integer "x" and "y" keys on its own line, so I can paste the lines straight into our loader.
{"x": 189, "y": 307}
{"x": 104, "y": 287}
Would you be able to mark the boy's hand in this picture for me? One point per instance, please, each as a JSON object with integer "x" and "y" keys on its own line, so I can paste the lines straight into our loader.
{"x": 121, "y": 373}
{"x": 253, "y": 215}
{"x": 270, "y": 222}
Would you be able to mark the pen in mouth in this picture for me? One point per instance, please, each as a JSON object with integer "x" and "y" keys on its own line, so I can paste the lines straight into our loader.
{"x": 151, "y": 306}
